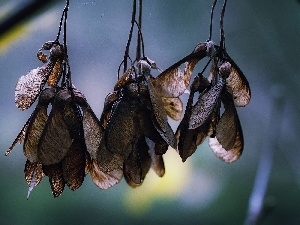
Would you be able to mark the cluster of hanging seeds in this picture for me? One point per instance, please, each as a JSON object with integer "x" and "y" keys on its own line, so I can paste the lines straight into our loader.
{"x": 132, "y": 134}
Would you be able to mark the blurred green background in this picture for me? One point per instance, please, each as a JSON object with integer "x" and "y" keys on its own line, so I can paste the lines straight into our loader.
{"x": 263, "y": 39}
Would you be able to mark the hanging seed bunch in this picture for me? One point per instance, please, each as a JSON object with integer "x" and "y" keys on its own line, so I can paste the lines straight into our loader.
{"x": 64, "y": 140}
{"x": 225, "y": 86}
{"x": 55, "y": 143}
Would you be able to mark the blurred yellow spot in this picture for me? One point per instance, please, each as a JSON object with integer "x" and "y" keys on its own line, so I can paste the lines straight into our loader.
{"x": 12, "y": 36}
{"x": 139, "y": 200}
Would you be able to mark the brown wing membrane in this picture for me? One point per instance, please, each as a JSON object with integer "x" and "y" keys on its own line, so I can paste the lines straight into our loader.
{"x": 137, "y": 165}
{"x": 226, "y": 130}
{"x": 33, "y": 175}
{"x": 29, "y": 86}
{"x": 189, "y": 139}
{"x": 157, "y": 160}
{"x": 115, "y": 146}
{"x": 157, "y": 106}
{"x": 73, "y": 164}
{"x": 173, "y": 82}
{"x": 105, "y": 180}
{"x": 228, "y": 143}
{"x": 92, "y": 131}
{"x": 238, "y": 85}
{"x": 173, "y": 107}
{"x": 205, "y": 105}
{"x": 55, "y": 140}
{"x": 55, "y": 174}
{"x": 37, "y": 124}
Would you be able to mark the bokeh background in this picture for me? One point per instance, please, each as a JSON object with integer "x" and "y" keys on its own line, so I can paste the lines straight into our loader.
{"x": 263, "y": 39}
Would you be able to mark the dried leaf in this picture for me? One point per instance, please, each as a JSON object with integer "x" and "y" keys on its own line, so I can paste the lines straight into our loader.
{"x": 173, "y": 107}
{"x": 105, "y": 180}
{"x": 55, "y": 174}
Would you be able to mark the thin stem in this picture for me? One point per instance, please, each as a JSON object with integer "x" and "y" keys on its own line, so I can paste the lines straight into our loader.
{"x": 211, "y": 19}
{"x": 61, "y": 20}
{"x": 139, "y": 24}
{"x": 66, "y": 58}
{"x": 201, "y": 73}
{"x": 141, "y": 42}
{"x": 222, "y": 38}
{"x": 126, "y": 54}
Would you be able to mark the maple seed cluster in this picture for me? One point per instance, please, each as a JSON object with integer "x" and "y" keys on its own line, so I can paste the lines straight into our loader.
{"x": 64, "y": 139}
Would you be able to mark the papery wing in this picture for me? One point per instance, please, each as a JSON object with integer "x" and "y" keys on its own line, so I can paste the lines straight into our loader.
{"x": 157, "y": 163}
{"x": 157, "y": 106}
{"x": 227, "y": 126}
{"x": 124, "y": 80}
{"x": 36, "y": 126}
{"x": 34, "y": 133}
{"x": 111, "y": 102}
{"x": 91, "y": 126}
{"x": 93, "y": 131}
{"x": 33, "y": 175}
{"x": 168, "y": 136}
{"x": 56, "y": 180}
{"x": 30, "y": 85}
{"x": 55, "y": 140}
{"x": 115, "y": 145}
{"x": 238, "y": 85}
{"x": 173, "y": 107}
{"x": 205, "y": 105}
{"x": 222, "y": 142}
{"x": 20, "y": 137}
{"x": 73, "y": 164}
{"x": 230, "y": 155}
{"x": 173, "y": 83}
{"x": 189, "y": 139}
{"x": 105, "y": 180}
{"x": 137, "y": 165}
{"x": 55, "y": 74}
